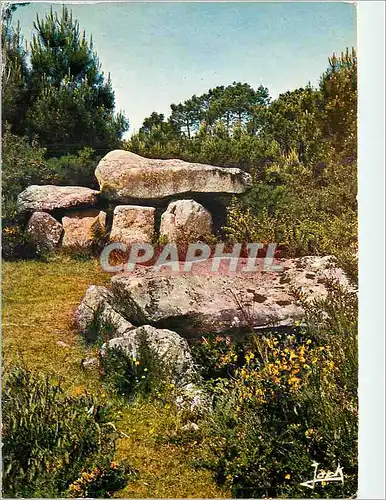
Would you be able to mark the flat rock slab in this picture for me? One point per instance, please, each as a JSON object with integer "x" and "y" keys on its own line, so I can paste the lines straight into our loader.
{"x": 49, "y": 198}
{"x": 198, "y": 303}
{"x": 124, "y": 176}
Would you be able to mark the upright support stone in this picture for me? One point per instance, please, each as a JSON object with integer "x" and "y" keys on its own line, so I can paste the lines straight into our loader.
{"x": 81, "y": 228}
{"x": 45, "y": 231}
{"x": 185, "y": 221}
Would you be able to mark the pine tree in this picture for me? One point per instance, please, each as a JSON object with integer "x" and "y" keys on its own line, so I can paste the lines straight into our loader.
{"x": 72, "y": 104}
{"x": 338, "y": 86}
{"x": 14, "y": 71}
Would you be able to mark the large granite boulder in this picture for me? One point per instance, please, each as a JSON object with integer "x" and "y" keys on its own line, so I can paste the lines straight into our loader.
{"x": 185, "y": 221}
{"x": 133, "y": 224}
{"x": 45, "y": 231}
{"x": 49, "y": 198}
{"x": 199, "y": 302}
{"x": 95, "y": 315}
{"x": 81, "y": 228}
{"x": 124, "y": 176}
{"x": 172, "y": 350}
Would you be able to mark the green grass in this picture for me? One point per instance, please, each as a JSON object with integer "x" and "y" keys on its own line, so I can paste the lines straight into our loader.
{"x": 38, "y": 302}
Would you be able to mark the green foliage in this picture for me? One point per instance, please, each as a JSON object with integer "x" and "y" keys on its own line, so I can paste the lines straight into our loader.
{"x": 293, "y": 121}
{"x": 305, "y": 211}
{"x": 71, "y": 103}
{"x": 14, "y": 71}
{"x": 49, "y": 438}
{"x": 339, "y": 89}
{"x": 23, "y": 164}
{"x": 292, "y": 402}
{"x": 61, "y": 98}
{"x": 131, "y": 377}
{"x": 218, "y": 356}
{"x": 239, "y": 126}
{"x": 74, "y": 169}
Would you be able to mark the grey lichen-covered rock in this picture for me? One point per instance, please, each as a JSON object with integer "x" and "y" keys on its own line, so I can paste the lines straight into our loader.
{"x": 124, "y": 176}
{"x": 133, "y": 224}
{"x": 185, "y": 221}
{"x": 95, "y": 314}
{"x": 172, "y": 350}
{"x": 45, "y": 231}
{"x": 195, "y": 399}
{"x": 49, "y": 198}
{"x": 198, "y": 302}
{"x": 81, "y": 227}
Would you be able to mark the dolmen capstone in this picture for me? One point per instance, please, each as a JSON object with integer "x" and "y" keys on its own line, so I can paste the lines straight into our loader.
{"x": 132, "y": 188}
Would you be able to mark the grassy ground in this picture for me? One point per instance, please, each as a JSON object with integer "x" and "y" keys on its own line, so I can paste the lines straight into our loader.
{"x": 38, "y": 301}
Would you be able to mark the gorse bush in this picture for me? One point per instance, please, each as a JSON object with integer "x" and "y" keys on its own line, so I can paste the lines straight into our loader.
{"x": 100, "y": 482}
{"x": 292, "y": 402}
{"x": 216, "y": 356}
{"x": 50, "y": 439}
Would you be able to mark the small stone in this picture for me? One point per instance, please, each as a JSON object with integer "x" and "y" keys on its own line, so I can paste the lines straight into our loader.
{"x": 90, "y": 363}
{"x": 62, "y": 344}
{"x": 190, "y": 426}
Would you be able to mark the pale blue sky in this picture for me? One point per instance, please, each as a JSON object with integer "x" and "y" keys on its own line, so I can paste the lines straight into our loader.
{"x": 163, "y": 53}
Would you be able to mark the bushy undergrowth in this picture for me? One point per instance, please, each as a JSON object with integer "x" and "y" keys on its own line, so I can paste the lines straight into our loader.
{"x": 53, "y": 444}
{"x": 305, "y": 212}
{"x": 288, "y": 401}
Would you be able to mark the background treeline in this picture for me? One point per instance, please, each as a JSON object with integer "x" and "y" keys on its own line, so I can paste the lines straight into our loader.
{"x": 59, "y": 120}
{"x": 241, "y": 126}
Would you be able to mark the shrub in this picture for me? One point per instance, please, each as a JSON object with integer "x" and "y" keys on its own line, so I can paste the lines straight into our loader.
{"x": 218, "y": 356}
{"x": 303, "y": 211}
{"x": 74, "y": 169}
{"x": 49, "y": 438}
{"x": 16, "y": 243}
{"x": 292, "y": 402}
{"x": 23, "y": 164}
